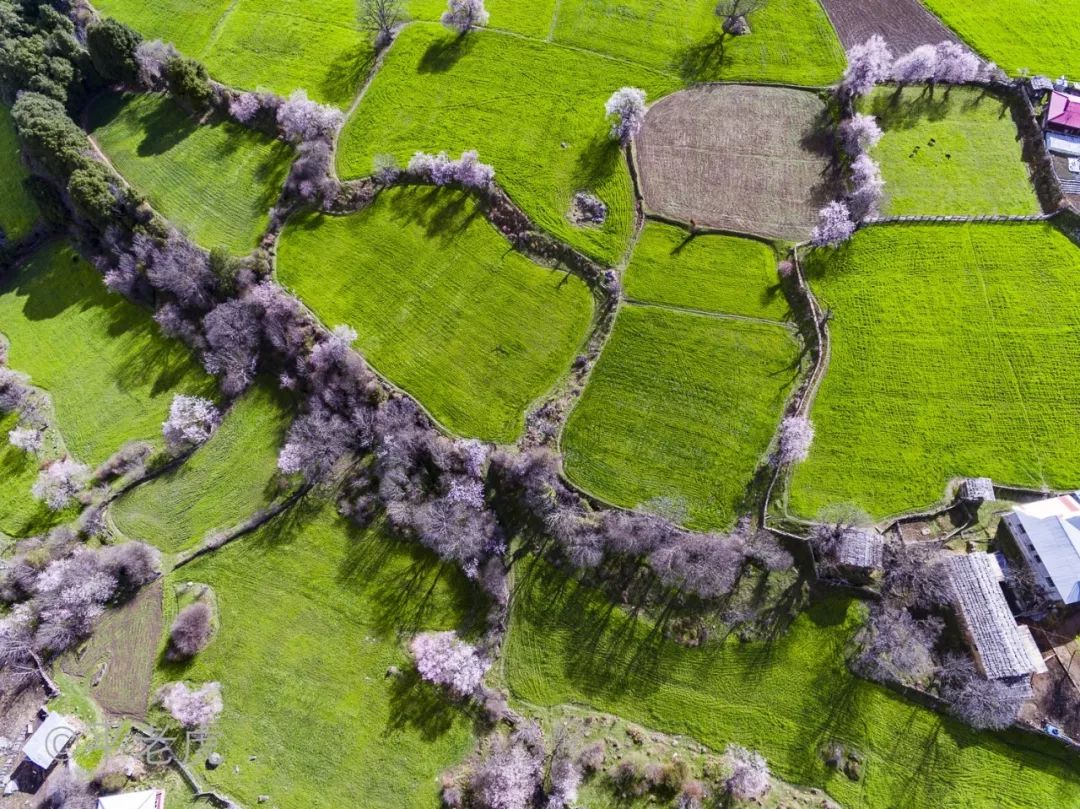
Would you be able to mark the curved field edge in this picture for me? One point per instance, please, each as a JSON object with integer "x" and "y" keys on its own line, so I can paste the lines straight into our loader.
{"x": 215, "y": 180}
{"x": 948, "y": 344}
{"x": 314, "y": 612}
{"x": 534, "y": 110}
{"x": 788, "y": 699}
{"x": 443, "y": 306}
{"x": 109, "y": 371}
{"x": 680, "y": 409}
{"x": 225, "y": 481}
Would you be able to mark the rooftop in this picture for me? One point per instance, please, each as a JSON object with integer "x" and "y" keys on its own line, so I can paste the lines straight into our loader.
{"x": 1002, "y": 648}
{"x": 860, "y": 549}
{"x": 147, "y": 799}
{"x": 49, "y": 740}
{"x": 1053, "y": 528}
{"x": 1064, "y": 110}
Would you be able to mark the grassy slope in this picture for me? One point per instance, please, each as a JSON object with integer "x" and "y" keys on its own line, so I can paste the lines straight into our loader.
{"x": 713, "y": 273}
{"x": 109, "y": 371}
{"x": 17, "y": 210}
{"x": 225, "y": 481}
{"x": 216, "y": 182}
{"x": 533, "y": 110}
{"x": 786, "y": 699}
{"x": 1045, "y": 38}
{"x": 442, "y": 305}
{"x": 681, "y": 406}
{"x": 792, "y": 40}
{"x": 311, "y": 610}
{"x": 20, "y": 514}
{"x": 973, "y": 166}
{"x": 949, "y": 345}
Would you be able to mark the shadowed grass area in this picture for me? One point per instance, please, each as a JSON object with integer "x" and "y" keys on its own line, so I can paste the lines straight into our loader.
{"x": 313, "y": 612}
{"x": 681, "y": 407}
{"x": 950, "y": 350}
{"x": 109, "y": 371}
{"x": 443, "y": 306}
{"x": 712, "y": 273}
{"x": 533, "y": 110}
{"x": 216, "y": 181}
{"x": 20, "y": 514}
{"x": 17, "y": 210}
{"x": 223, "y": 483}
{"x": 787, "y": 698}
{"x": 956, "y": 151}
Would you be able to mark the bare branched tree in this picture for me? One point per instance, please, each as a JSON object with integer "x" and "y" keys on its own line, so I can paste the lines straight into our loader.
{"x": 735, "y": 12}
{"x": 380, "y": 17}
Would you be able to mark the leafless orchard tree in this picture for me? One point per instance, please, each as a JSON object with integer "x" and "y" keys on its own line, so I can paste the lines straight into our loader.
{"x": 380, "y": 17}
{"x": 735, "y": 12}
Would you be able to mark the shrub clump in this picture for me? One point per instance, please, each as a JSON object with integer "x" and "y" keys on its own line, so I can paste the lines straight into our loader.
{"x": 191, "y": 631}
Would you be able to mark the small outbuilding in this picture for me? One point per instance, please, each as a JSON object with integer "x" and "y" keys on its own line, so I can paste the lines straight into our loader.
{"x": 977, "y": 490}
{"x": 1003, "y": 649}
{"x": 147, "y": 799}
{"x": 53, "y": 737}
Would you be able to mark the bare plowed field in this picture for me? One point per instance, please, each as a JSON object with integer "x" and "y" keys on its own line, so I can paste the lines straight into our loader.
{"x": 904, "y": 24}
{"x": 736, "y": 157}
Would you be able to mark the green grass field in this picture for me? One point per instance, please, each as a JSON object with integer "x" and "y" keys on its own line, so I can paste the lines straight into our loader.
{"x": 533, "y": 110}
{"x": 17, "y": 211}
{"x": 680, "y": 406}
{"x": 786, "y": 699}
{"x": 223, "y": 483}
{"x": 792, "y": 41}
{"x": 949, "y": 350}
{"x": 957, "y": 152}
{"x": 20, "y": 514}
{"x": 216, "y": 182}
{"x": 1018, "y": 34}
{"x": 313, "y": 612}
{"x": 711, "y": 273}
{"x": 109, "y": 371}
{"x": 442, "y": 305}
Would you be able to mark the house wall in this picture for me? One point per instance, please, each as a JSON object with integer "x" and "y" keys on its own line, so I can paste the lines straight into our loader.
{"x": 1031, "y": 559}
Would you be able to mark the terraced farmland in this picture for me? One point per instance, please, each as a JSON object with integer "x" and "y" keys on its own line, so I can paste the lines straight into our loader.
{"x": 359, "y": 594}
{"x": 947, "y": 349}
{"x": 789, "y": 699}
{"x": 109, "y": 371}
{"x": 217, "y": 182}
{"x": 442, "y": 305}
{"x": 226, "y": 480}
{"x": 533, "y": 110}
{"x": 950, "y": 153}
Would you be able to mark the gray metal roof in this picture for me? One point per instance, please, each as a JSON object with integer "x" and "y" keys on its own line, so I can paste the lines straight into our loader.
{"x": 1053, "y": 526}
{"x": 49, "y": 740}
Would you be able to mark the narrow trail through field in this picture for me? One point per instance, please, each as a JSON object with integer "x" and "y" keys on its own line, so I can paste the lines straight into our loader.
{"x": 554, "y": 21}
{"x": 215, "y": 32}
{"x": 642, "y": 304}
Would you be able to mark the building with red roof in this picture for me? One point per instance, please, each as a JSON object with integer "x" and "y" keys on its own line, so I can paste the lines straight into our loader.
{"x": 1063, "y": 112}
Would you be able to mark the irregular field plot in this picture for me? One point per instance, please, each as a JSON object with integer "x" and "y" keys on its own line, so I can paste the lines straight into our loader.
{"x": 223, "y": 483}
{"x": 17, "y": 210}
{"x": 904, "y": 24}
{"x": 757, "y": 144}
{"x": 121, "y": 651}
{"x": 310, "y": 614}
{"x": 533, "y": 110}
{"x": 712, "y": 273}
{"x": 109, "y": 371}
{"x": 1017, "y": 34}
{"x": 792, "y": 41}
{"x": 442, "y": 305}
{"x": 950, "y": 346}
{"x": 216, "y": 182}
{"x": 680, "y": 406}
{"x": 788, "y": 699}
{"x": 951, "y": 153}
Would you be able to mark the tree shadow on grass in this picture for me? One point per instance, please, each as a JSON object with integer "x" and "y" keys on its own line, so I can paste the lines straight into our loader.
{"x": 346, "y": 73}
{"x": 420, "y": 706}
{"x": 904, "y": 109}
{"x": 165, "y": 126}
{"x": 597, "y": 161}
{"x": 443, "y": 213}
{"x": 443, "y": 54}
{"x": 705, "y": 60}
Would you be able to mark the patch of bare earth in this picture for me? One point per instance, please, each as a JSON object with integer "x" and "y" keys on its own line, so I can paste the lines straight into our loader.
{"x": 118, "y": 661}
{"x": 749, "y": 159}
{"x": 904, "y": 24}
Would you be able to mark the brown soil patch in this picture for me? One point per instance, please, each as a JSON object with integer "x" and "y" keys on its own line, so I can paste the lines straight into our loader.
{"x": 120, "y": 656}
{"x": 736, "y": 157}
{"x": 904, "y": 24}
